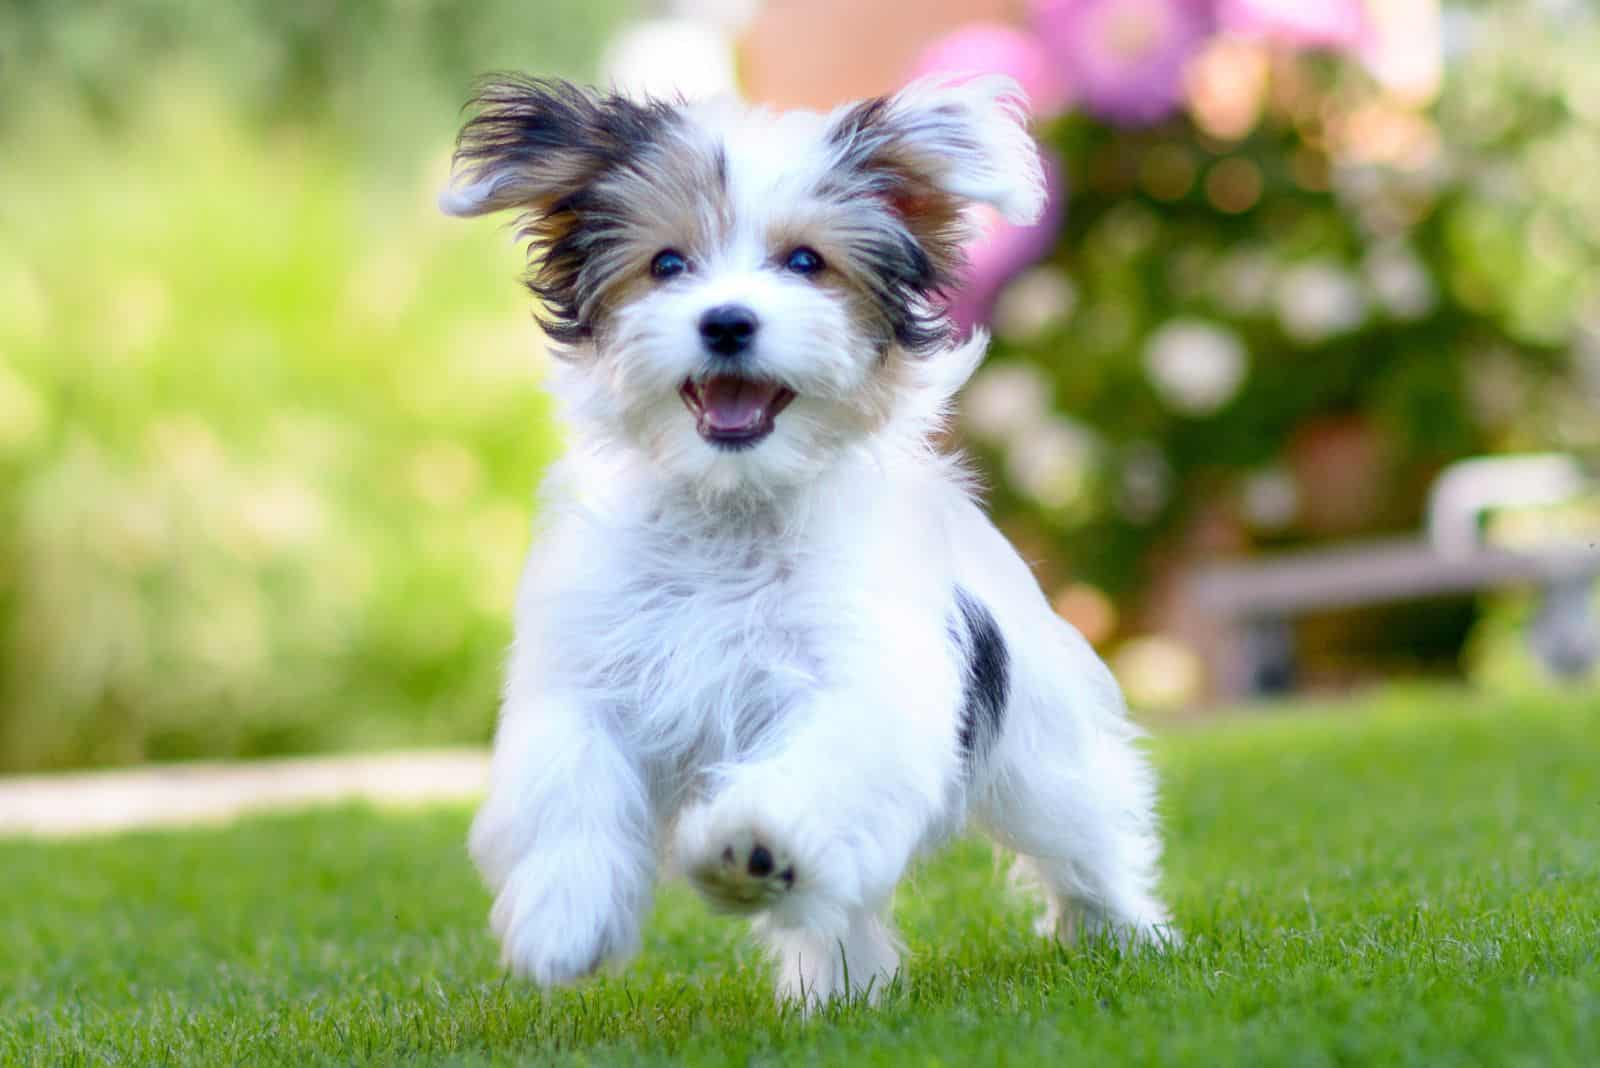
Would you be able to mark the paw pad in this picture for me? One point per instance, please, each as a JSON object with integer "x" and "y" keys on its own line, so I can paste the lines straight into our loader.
{"x": 747, "y": 873}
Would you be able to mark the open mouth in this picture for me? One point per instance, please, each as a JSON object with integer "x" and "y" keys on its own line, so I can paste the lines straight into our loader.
{"x": 733, "y": 412}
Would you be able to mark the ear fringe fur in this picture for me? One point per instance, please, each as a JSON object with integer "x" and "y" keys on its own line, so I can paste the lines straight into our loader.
{"x": 934, "y": 381}
{"x": 989, "y": 155}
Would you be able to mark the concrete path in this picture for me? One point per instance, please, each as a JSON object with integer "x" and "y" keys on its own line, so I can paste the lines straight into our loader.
{"x": 177, "y": 795}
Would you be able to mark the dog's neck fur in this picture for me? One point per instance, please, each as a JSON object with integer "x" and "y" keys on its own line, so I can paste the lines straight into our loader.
{"x": 624, "y": 483}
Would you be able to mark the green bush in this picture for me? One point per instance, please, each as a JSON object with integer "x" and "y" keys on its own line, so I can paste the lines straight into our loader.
{"x": 377, "y": 71}
{"x": 269, "y": 425}
{"x": 269, "y": 435}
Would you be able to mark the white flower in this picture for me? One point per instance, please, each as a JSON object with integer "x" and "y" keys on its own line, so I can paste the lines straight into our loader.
{"x": 1196, "y": 366}
{"x": 1244, "y": 281}
{"x": 1319, "y": 299}
{"x": 1400, "y": 281}
{"x": 1034, "y": 301}
{"x": 1052, "y": 462}
{"x": 1005, "y": 401}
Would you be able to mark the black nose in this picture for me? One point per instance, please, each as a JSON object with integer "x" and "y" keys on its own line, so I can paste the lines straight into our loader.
{"x": 727, "y": 329}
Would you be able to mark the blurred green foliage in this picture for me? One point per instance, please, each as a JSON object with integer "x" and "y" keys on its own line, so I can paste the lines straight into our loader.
{"x": 269, "y": 426}
{"x": 375, "y": 71}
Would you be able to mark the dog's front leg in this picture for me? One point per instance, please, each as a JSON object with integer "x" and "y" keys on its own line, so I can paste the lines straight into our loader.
{"x": 565, "y": 840}
{"x": 817, "y": 832}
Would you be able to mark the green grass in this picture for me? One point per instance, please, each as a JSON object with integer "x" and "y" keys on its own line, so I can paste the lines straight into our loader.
{"x": 1417, "y": 883}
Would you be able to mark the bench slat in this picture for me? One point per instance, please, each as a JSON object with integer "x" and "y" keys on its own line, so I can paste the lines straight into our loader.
{"x": 1377, "y": 571}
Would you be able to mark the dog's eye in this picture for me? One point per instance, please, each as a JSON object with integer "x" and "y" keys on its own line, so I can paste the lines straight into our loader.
{"x": 667, "y": 264}
{"x": 803, "y": 261}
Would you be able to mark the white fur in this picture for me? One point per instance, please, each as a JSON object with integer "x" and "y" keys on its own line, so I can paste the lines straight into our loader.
{"x": 723, "y": 651}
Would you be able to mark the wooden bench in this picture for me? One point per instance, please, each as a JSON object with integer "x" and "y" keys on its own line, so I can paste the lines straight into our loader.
{"x": 1248, "y": 607}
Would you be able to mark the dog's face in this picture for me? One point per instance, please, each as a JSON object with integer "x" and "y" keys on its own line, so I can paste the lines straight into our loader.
{"x": 739, "y": 295}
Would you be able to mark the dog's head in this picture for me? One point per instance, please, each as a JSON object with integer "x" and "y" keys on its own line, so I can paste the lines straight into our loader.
{"x": 741, "y": 295}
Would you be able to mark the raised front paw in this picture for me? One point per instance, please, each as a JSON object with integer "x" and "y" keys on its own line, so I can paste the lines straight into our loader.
{"x": 739, "y": 868}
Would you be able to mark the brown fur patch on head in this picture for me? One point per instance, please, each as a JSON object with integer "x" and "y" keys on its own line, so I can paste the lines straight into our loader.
{"x": 909, "y": 228}
{"x": 882, "y": 258}
{"x": 877, "y": 273}
{"x": 603, "y": 183}
{"x": 899, "y": 158}
{"x": 672, "y": 195}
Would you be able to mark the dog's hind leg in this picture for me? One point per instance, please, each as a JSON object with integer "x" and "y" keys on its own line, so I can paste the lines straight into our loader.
{"x": 1076, "y": 802}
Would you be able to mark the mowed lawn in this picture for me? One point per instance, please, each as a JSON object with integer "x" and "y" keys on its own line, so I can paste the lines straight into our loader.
{"x": 1414, "y": 879}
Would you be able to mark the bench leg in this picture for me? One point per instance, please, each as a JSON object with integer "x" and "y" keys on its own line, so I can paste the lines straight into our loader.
{"x": 1565, "y": 635}
{"x": 1269, "y": 656}
{"x": 1247, "y": 657}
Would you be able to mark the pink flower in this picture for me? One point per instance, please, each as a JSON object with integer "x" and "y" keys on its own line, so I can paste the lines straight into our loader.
{"x": 1002, "y": 251}
{"x": 993, "y": 48}
{"x": 1124, "y": 58}
{"x": 1334, "y": 24}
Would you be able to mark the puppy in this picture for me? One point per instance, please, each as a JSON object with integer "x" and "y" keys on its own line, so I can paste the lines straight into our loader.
{"x": 765, "y": 630}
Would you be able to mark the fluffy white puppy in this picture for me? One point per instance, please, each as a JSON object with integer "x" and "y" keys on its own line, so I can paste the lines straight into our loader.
{"x": 764, "y": 628}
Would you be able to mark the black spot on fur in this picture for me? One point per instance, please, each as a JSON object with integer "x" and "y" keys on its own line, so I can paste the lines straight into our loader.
{"x": 553, "y": 141}
{"x": 986, "y": 682}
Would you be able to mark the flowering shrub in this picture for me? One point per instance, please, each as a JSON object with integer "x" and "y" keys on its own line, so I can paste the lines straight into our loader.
{"x": 1310, "y": 252}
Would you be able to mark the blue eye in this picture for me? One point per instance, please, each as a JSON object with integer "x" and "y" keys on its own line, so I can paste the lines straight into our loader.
{"x": 668, "y": 262}
{"x": 803, "y": 261}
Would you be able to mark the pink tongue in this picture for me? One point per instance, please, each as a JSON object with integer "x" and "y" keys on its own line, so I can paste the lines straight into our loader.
{"x": 730, "y": 403}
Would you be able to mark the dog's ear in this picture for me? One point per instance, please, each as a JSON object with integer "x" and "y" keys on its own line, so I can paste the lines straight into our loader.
{"x": 545, "y": 149}
{"x": 937, "y": 146}
{"x": 533, "y": 142}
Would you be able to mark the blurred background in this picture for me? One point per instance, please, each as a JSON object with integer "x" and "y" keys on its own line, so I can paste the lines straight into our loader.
{"x": 1296, "y": 388}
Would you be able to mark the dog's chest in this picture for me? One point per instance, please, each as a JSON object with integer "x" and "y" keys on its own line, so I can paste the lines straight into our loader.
{"x": 702, "y": 646}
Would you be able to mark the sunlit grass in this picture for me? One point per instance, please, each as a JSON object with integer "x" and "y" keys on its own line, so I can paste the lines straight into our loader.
{"x": 1413, "y": 881}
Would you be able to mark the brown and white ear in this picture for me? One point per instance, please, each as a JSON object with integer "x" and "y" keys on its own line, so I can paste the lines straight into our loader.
{"x": 963, "y": 139}
{"x": 532, "y": 141}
